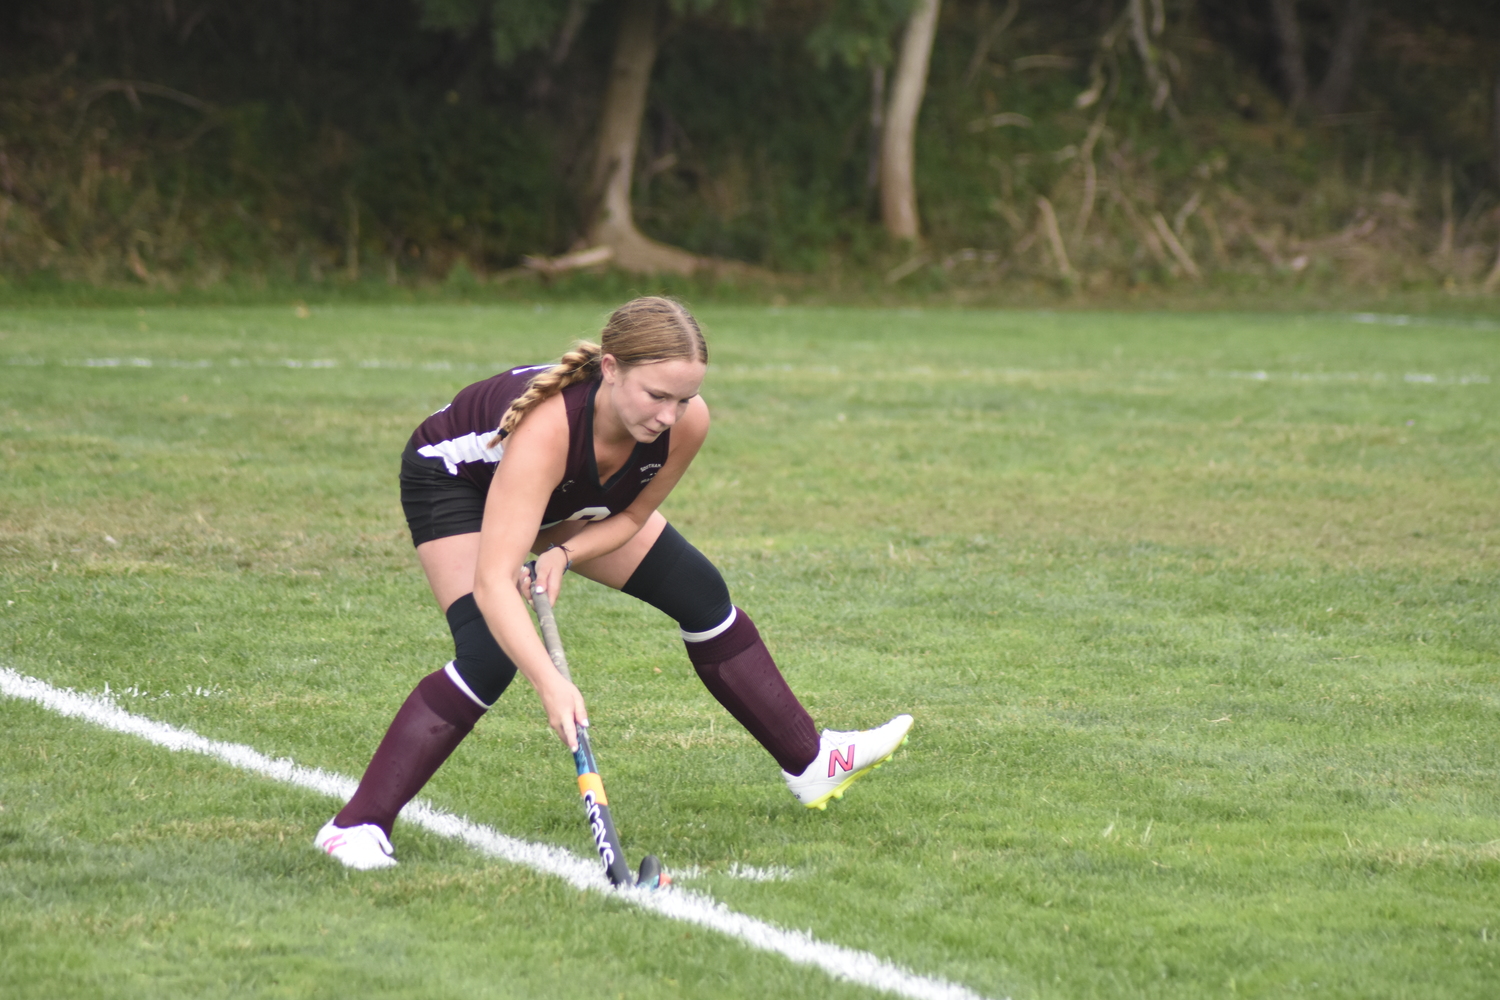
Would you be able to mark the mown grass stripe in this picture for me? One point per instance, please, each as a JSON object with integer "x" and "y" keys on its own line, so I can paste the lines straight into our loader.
{"x": 674, "y": 903}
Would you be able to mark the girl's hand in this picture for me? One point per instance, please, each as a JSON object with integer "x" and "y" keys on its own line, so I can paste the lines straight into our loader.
{"x": 550, "y": 566}
{"x": 565, "y": 710}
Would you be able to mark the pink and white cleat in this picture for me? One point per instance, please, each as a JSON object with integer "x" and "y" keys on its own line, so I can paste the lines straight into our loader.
{"x": 363, "y": 848}
{"x": 844, "y": 758}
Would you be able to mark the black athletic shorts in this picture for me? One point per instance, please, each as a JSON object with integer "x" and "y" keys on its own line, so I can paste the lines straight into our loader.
{"x": 437, "y": 505}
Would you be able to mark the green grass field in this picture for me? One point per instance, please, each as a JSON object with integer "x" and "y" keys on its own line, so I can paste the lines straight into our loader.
{"x": 1199, "y": 616}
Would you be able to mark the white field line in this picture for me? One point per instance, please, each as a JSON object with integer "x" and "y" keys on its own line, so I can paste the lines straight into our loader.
{"x": 1392, "y": 319}
{"x": 750, "y": 873}
{"x": 675, "y": 903}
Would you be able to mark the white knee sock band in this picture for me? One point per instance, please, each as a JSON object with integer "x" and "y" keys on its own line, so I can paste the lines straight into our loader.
{"x": 458, "y": 682}
{"x": 717, "y": 630}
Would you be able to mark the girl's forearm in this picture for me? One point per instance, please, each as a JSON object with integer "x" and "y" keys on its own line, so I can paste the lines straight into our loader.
{"x": 601, "y": 538}
{"x": 509, "y": 621}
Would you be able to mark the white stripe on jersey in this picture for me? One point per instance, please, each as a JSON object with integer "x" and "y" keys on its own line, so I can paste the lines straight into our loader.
{"x": 472, "y": 447}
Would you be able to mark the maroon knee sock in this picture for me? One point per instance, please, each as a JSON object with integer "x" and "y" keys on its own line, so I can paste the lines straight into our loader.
{"x": 738, "y": 670}
{"x": 433, "y": 721}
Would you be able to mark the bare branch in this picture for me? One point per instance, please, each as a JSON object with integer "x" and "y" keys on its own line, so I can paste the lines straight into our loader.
{"x": 1186, "y": 212}
{"x": 132, "y": 88}
{"x": 1090, "y": 173}
{"x": 987, "y": 40}
{"x": 1161, "y": 88}
{"x": 1055, "y": 240}
{"x": 1003, "y": 119}
{"x": 1173, "y": 244}
{"x": 1102, "y": 52}
{"x": 550, "y": 266}
{"x": 1148, "y": 235}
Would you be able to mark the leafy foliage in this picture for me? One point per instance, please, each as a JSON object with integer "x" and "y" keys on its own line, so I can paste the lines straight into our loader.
{"x": 387, "y": 140}
{"x": 858, "y": 33}
{"x": 515, "y": 26}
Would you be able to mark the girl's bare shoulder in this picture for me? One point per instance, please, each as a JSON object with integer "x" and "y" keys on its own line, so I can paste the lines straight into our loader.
{"x": 544, "y": 423}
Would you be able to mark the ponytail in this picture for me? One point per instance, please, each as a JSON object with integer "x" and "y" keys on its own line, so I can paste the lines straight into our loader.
{"x": 578, "y": 365}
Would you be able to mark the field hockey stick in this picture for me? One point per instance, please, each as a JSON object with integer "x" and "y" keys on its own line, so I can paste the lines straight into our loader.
{"x": 590, "y": 785}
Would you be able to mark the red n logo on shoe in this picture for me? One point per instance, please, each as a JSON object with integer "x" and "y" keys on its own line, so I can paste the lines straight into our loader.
{"x": 836, "y": 760}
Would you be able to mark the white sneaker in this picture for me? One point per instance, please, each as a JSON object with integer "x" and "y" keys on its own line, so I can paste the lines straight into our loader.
{"x": 361, "y": 847}
{"x": 843, "y": 758}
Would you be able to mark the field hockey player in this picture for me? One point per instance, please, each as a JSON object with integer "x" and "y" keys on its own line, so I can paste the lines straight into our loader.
{"x": 592, "y": 445}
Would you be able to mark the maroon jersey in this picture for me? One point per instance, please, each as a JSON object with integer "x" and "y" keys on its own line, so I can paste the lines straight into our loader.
{"x": 463, "y": 434}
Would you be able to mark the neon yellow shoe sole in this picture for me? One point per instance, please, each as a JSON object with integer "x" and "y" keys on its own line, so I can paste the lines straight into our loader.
{"x": 843, "y": 786}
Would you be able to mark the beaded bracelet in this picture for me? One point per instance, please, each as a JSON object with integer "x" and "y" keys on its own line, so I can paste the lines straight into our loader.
{"x": 568, "y": 555}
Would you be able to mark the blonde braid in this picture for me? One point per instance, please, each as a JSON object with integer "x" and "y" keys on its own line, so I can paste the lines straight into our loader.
{"x": 578, "y": 365}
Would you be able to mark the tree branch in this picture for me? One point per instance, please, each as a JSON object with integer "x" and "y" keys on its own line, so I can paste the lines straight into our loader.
{"x": 1054, "y": 239}
{"x": 130, "y": 88}
{"x": 987, "y": 40}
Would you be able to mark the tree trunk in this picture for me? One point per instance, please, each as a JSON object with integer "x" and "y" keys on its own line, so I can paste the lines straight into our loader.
{"x": 1289, "y": 40}
{"x": 613, "y": 224}
{"x": 1334, "y": 91}
{"x": 898, "y": 196}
